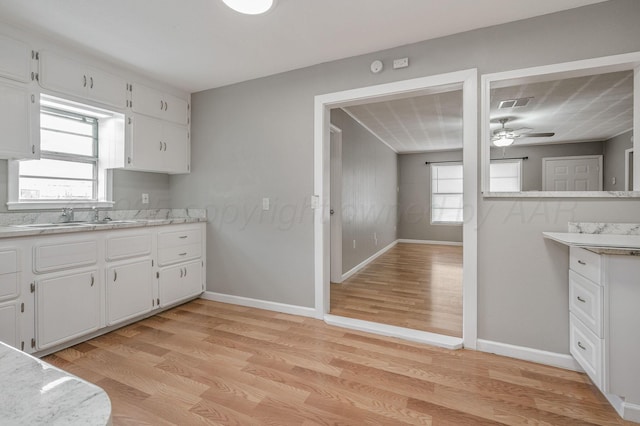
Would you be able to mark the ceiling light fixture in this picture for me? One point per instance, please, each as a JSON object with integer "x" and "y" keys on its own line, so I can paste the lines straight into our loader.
{"x": 503, "y": 141}
{"x": 250, "y": 7}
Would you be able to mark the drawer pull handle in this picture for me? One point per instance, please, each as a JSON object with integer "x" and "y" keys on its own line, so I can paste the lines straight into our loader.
{"x": 582, "y": 262}
{"x": 182, "y": 237}
{"x": 182, "y": 254}
{"x": 185, "y": 271}
{"x": 580, "y": 299}
{"x": 93, "y": 280}
{"x": 181, "y": 272}
{"x": 115, "y": 275}
{"x": 581, "y": 347}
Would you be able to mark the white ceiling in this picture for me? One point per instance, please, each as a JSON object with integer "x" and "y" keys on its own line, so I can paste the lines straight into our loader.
{"x": 201, "y": 44}
{"x": 591, "y": 108}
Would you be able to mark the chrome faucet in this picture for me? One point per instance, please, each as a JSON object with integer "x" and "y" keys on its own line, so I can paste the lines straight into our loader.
{"x": 67, "y": 215}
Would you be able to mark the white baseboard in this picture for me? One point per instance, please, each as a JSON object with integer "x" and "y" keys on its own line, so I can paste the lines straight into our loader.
{"x": 364, "y": 263}
{"x": 626, "y": 410}
{"x": 440, "y": 340}
{"x": 529, "y": 354}
{"x": 260, "y": 304}
{"x": 437, "y": 243}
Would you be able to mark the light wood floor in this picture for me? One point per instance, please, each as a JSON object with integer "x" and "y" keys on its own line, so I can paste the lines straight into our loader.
{"x": 211, "y": 363}
{"x": 416, "y": 286}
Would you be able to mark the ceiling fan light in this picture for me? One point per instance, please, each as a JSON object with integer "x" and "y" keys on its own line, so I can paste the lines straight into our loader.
{"x": 250, "y": 7}
{"x": 503, "y": 141}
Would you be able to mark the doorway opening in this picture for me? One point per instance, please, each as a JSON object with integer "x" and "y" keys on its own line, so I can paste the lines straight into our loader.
{"x": 325, "y": 139}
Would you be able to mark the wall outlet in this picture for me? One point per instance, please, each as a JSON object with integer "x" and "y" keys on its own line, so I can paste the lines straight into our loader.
{"x": 145, "y": 198}
{"x": 400, "y": 63}
{"x": 265, "y": 204}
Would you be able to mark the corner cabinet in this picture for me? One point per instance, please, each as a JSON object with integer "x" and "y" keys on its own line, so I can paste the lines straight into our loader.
{"x": 65, "y": 75}
{"x": 604, "y": 292}
{"x": 58, "y": 290}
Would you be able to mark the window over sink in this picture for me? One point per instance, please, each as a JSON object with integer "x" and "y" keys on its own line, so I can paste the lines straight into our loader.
{"x": 71, "y": 170}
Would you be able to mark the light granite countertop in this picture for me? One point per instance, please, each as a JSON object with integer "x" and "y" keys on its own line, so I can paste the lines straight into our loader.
{"x": 599, "y": 243}
{"x": 33, "y": 392}
{"x": 14, "y": 225}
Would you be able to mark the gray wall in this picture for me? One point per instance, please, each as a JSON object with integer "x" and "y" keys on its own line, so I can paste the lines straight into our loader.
{"x": 127, "y": 189}
{"x": 255, "y": 139}
{"x": 614, "y": 161}
{"x": 369, "y": 192}
{"x": 532, "y": 167}
{"x": 414, "y": 198}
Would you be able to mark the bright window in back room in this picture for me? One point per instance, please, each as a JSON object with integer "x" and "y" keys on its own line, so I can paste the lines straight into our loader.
{"x": 446, "y": 193}
{"x": 505, "y": 175}
{"x": 72, "y": 171}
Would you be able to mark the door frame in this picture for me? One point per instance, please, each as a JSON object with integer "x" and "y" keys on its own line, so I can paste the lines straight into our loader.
{"x": 336, "y": 218}
{"x": 628, "y": 157}
{"x": 467, "y": 80}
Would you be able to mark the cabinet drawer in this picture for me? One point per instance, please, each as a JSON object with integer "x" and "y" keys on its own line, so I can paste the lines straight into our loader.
{"x": 586, "y": 301}
{"x": 51, "y": 257}
{"x": 179, "y": 238}
{"x": 8, "y": 261}
{"x": 8, "y": 286}
{"x": 586, "y": 348}
{"x": 585, "y": 262}
{"x": 169, "y": 255}
{"x": 128, "y": 246}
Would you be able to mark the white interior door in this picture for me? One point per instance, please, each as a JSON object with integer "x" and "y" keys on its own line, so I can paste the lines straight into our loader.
{"x": 336, "y": 205}
{"x": 581, "y": 173}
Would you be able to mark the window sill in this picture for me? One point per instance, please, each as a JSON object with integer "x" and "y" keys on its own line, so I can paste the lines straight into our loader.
{"x": 55, "y": 205}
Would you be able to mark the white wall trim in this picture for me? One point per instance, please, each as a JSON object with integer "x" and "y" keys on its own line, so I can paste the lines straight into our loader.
{"x": 529, "y": 354}
{"x": 365, "y": 262}
{"x": 468, "y": 81}
{"x": 259, "y": 304}
{"x": 431, "y": 242}
{"x": 440, "y": 340}
{"x": 626, "y": 410}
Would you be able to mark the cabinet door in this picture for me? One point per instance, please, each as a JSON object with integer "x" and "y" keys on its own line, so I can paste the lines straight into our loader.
{"x": 145, "y": 143}
{"x": 107, "y": 88}
{"x": 16, "y": 59}
{"x": 180, "y": 282}
{"x": 67, "y": 306}
{"x": 129, "y": 291}
{"x": 9, "y": 327}
{"x": 18, "y": 116}
{"x": 175, "y": 155}
{"x": 64, "y": 75}
{"x": 158, "y": 104}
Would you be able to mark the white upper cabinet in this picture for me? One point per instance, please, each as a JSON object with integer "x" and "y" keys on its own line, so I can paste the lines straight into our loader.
{"x": 19, "y": 121}
{"x": 157, "y": 145}
{"x": 65, "y": 75}
{"x": 16, "y": 59}
{"x": 155, "y": 103}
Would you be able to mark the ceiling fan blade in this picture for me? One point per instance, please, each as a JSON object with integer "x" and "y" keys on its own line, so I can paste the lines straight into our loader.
{"x": 538, "y": 135}
{"x": 522, "y": 131}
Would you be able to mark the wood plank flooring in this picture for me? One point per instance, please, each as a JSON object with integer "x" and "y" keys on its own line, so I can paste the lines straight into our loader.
{"x": 208, "y": 363}
{"x": 416, "y": 286}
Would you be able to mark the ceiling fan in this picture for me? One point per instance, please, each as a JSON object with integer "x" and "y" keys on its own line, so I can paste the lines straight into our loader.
{"x": 505, "y": 136}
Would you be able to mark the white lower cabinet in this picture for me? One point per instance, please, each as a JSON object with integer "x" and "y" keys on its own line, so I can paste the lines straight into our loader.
{"x": 129, "y": 290}
{"x": 67, "y": 306}
{"x": 180, "y": 282}
{"x": 604, "y": 292}
{"x": 56, "y": 290}
{"x": 10, "y": 323}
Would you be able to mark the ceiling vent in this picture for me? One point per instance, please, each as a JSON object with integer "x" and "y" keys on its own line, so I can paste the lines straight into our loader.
{"x": 514, "y": 103}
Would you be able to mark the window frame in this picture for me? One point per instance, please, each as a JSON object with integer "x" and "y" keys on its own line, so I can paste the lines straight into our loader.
{"x": 102, "y": 177}
{"x": 431, "y": 193}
